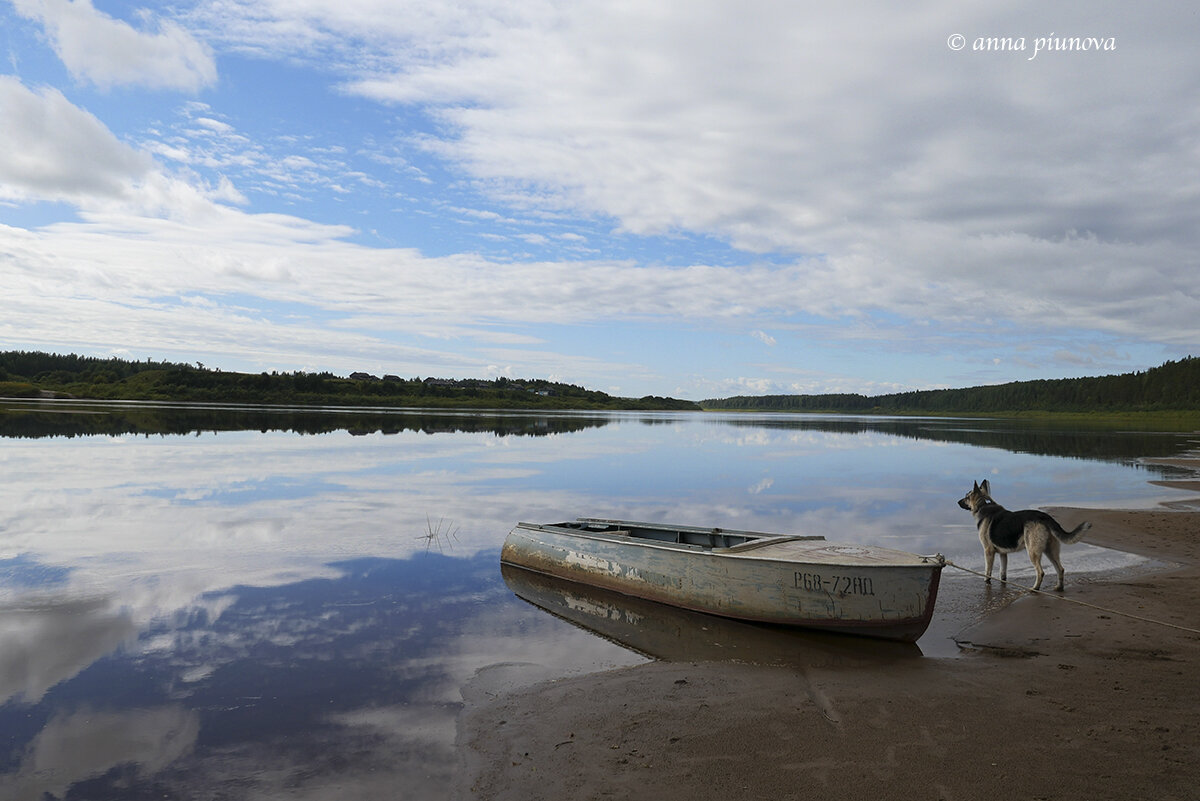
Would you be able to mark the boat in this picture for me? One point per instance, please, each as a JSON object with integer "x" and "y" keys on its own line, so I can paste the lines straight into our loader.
{"x": 781, "y": 579}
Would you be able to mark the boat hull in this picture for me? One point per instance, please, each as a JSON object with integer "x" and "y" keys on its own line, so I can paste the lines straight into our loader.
{"x": 673, "y": 634}
{"x": 816, "y": 585}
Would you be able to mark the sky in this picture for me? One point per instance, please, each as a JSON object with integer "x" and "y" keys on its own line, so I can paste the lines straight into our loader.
{"x": 696, "y": 199}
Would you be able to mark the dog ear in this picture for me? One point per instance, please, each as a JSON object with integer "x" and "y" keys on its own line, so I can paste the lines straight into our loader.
{"x": 986, "y": 487}
{"x": 976, "y": 489}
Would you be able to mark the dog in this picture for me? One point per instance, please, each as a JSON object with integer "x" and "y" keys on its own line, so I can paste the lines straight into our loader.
{"x": 1003, "y": 532}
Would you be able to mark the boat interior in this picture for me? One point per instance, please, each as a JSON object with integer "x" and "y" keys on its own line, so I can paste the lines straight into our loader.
{"x": 714, "y": 538}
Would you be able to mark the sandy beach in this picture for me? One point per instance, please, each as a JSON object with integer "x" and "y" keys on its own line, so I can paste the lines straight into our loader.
{"x": 1052, "y": 700}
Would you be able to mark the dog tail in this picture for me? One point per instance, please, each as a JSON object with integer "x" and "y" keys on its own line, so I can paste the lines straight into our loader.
{"x": 1073, "y": 536}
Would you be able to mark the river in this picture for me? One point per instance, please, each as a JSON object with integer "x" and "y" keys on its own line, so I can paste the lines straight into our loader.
{"x": 247, "y": 602}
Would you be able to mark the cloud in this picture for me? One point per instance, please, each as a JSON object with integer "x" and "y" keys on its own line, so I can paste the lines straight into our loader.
{"x": 916, "y": 180}
{"x": 54, "y": 150}
{"x": 761, "y": 486}
{"x": 109, "y": 52}
{"x": 197, "y": 140}
{"x": 787, "y": 380}
{"x": 217, "y": 126}
{"x": 304, "y": 292}
{"x": 763, "y": 337}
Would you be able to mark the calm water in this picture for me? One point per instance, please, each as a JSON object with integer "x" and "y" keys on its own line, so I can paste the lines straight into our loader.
{"x": 238, "y": 603}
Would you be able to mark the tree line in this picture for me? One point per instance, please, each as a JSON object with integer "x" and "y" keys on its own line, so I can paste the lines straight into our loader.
{"x": 1173, "y": 386}
{"x": 40, "y": 374}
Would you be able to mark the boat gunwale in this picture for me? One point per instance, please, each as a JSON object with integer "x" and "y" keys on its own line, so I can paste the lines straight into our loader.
{"x": 737, "y": 532}
{"x": 920, "y": 561}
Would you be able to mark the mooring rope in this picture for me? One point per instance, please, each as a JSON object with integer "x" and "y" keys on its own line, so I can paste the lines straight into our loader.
{"x": 1081, "y": 603}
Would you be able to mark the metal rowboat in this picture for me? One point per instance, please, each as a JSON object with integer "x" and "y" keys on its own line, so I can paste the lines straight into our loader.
{"x": 788, "y": 580}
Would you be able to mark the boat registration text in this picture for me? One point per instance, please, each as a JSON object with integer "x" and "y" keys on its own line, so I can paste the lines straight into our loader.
{"x": 834, "y": 585}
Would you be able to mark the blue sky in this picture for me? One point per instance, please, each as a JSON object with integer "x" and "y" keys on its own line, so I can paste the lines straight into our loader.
{"x": 692, "y": 199}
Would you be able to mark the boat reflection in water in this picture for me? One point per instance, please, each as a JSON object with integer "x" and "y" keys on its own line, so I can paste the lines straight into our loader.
{"x": 672, "y": 634}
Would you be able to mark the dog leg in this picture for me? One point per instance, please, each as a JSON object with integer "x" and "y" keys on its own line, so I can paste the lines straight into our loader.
{"x": 988, "y": 556}
{"x": 1037, "y": 565}
{"x": 1003, "y": 566}
{"x": 1052, "y": 552}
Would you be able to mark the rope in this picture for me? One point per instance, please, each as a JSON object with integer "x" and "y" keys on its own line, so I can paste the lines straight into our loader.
{"x": 1081, "y": 603}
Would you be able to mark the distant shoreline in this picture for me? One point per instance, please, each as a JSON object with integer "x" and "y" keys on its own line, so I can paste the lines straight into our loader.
{"x": 1171, "y": 420}
{"x": 313, "y": 402}
{"x": 1166, "y": 421}
{"x": 1169, "y": 392}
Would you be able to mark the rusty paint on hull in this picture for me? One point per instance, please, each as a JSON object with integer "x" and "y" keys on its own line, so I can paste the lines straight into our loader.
{"x": 767, "y": 578}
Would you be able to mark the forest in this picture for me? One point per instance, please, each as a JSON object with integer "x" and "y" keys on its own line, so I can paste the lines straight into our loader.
{"x": 26, "y": 374}
{"x": 1173, "y": 386}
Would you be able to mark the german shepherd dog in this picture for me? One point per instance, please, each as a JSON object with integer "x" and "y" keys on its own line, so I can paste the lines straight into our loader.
{"x": 1003, "y": 532}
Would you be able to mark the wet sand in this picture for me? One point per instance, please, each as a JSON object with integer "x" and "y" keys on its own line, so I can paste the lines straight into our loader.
{"x": 1052, "y": 700}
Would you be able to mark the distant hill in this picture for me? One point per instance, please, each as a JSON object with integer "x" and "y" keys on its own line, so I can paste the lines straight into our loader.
{"x": 38, "y": 374}
{"x": 1175, "y": 386}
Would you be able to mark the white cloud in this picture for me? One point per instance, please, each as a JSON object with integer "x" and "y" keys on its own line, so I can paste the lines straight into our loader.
{"x": 763, "y": 337}
{"x": 762, "y": 486}
{"x": 326, "y": 297}
{"x": 787, "y": 380}
{"x": 109, "y": 52}
{"x": 54, "y": 150}
{"x": 217, "y": 126}
{"x": 930, "y": 183}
